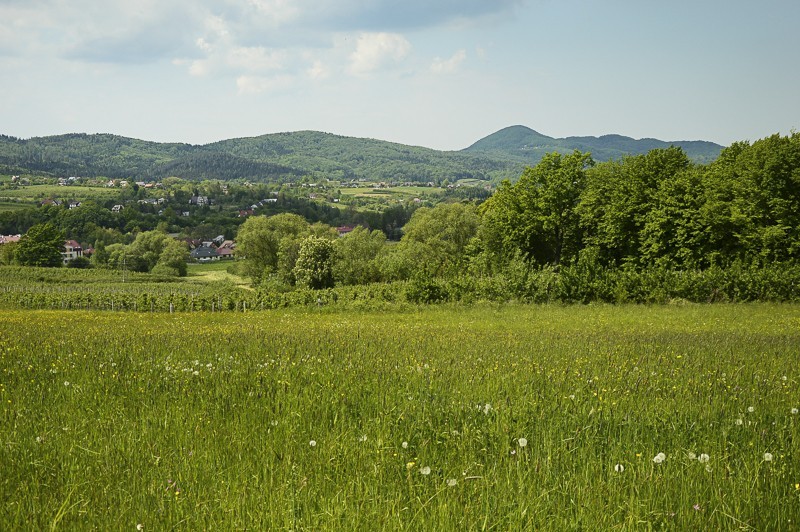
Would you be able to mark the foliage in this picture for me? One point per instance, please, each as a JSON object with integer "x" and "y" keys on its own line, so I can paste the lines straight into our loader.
{"x": 314, "y": 265}
{"x": 537, "y": 216}
{"x": 284, "y": 157}
{"x": 40, "y": 246}
{"x": 435, "y": 240}
{"x": 355, "y": 256}
{"x": 523, "y": 144}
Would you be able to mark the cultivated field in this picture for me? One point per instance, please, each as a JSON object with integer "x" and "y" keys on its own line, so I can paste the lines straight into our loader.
{"x": 448, "y": 418}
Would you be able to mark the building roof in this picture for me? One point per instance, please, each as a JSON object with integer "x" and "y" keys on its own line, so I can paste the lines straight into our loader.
{"x": 204, "y": 252}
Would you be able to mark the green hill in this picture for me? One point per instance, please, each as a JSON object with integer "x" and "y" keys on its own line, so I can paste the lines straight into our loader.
{"x": 522, "y": 144}
{"x": 286, "y": 157}
{"x": 270, "y": 158}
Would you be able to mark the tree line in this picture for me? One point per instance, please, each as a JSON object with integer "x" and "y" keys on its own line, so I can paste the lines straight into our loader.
{"x": 644, "y": 213}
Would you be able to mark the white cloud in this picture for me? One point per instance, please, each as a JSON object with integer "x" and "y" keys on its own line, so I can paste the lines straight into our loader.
{"x": 259, "y": 84}
{"x": 278, "y": 11}
{"x": 447, "y": 66}
{"x": 318, "y": 71}
{"x": 378, "y": 50}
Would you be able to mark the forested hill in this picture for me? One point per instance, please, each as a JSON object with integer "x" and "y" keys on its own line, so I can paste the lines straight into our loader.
{"x": 522, "y": 144}
{"x": 278, "y": 157}
{"x": 285, "y": 157}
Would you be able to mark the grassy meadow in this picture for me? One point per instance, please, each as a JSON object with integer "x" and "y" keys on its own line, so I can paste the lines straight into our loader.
{"x": 440, "y": 418}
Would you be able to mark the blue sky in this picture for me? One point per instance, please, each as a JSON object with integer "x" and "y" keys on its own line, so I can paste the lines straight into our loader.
{"x": 435, "y": 73}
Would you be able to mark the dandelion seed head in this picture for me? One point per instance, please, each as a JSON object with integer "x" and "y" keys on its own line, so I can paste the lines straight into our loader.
{"x": 660, "y": 457}
{"x": 425, "y": 470}
{"x": 708, "y": 468}
{"x": 751, "y": 409}
{"x": 451, "y": 482}
{"x": 404, "y": 445}
{"x": 768, "y": 457}
{"x": 692, "y": 456}
{"x": 739, "y": 421}
{"x": 362, "y": 438}
{"x": 313, "y": 443}
{"x": 704, "y": 458}
{"x": 139, "y": 526}
{"x": 522, "y": 442}
{"x": 619, "y": 468}
{"x": 66, "y": 383}
{"x": 794, "y": 411}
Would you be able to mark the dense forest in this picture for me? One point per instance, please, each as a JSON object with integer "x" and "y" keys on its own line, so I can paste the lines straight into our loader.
{"x": 277, "y": 158}
{"x": 287, "y": 157}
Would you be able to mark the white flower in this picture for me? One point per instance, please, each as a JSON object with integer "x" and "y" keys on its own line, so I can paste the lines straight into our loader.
{"x": 139, "y": 526}
{"x": 487, "y": 408}
{"x": 751, "y": 409}
{"x": 784, "y": 378}
{"x": 619, "y": 468}
{"x": 704, "y": 458}
{"x": 739, "y": 421}
{"x": 768, "y": 457}
{"x": 692, "y": 456}
{"x": 794, "y": 411}
{"x": 66, "y": 383}
{"x": 313, "y": 443}
{"x": 404, "y": 445}
{"x": 451, "y": 482}
{"x": 522, "y": 442}
{"x": 660, "y": 457}
{"x": 425, "y": 470}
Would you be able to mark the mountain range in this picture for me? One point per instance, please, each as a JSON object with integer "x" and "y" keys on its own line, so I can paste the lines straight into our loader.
{"x": 286, "y": 157}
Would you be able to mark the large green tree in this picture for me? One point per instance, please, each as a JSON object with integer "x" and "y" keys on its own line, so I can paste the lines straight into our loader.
{"x": 536, "y": 217}
{"x": 355, "y": 256}
{"x": 434, "y": 242}
{"x": 41, "y": 246}
{"x": 617, "y": 200}
{"x": 314, "y": 266}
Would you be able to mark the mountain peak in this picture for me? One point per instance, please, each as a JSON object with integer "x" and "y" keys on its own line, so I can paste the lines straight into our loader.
{"x": 523, "y": 144}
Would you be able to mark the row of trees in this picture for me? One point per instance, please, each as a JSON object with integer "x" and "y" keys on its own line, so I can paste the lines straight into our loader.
{"x": 653, "y": 209}
{"x": 656, "y": 210}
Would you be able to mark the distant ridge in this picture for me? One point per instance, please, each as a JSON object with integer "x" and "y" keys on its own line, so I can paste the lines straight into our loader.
{"x": 523, "y": 144}
{"x": 289, "y": 157}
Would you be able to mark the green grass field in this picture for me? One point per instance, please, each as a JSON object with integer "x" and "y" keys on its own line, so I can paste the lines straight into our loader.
{"x": 15, "y": 205}
{"x": 440, "y": 418}
{"x": 36, "y": 193}
{"x": 214, "y": 272}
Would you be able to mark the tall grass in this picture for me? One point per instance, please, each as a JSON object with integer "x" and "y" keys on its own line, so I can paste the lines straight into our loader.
{"x": 321, "y": 419}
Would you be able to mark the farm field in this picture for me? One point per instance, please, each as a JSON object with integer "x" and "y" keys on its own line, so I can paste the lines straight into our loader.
{"x": 442, "y": 418}
{"x": 36, "y": 193}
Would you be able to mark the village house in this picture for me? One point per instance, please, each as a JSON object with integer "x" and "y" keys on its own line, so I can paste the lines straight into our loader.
{"x": 9, "y": 239}
{"x": 72, "y": 250}
{"x": 204, "y": 253}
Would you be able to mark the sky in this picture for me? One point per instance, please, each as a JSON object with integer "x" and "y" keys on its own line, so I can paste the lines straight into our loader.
{"x": 435, "y": 73}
